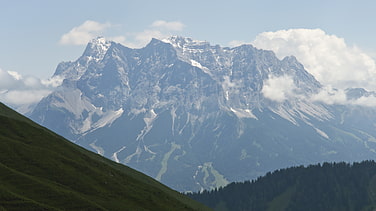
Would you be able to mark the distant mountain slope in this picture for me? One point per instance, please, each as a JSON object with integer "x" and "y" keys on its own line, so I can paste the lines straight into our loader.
{"x": 196, "y": 116}
{"x": 40, "y": 170}
{"x": 330, "y": 186}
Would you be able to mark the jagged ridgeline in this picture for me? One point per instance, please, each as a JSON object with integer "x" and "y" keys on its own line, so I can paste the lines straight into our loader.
{"x": 198, "y": 116}
{"x": 330, "y": 186}
{"x": 40, "y": 170}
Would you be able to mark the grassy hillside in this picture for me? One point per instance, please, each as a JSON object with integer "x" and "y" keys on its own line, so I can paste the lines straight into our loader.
{"x": 40, "y": 170}
{"x": 330, "y": 186}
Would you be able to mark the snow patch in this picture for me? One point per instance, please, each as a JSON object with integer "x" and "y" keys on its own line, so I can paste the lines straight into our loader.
{"x": 243, "y": 113}
{"x": 99, "y": 47}
{"x": 129, "y": 158}
{"x": 86, "y": 125}
{"x": 147, "y": 149}
{"x": 99, "y": 149}
{"x": 164, "y": 163}
{"x": 108, "y": 118}
{"x": 196, "y": 64}
{"x": 173, "y": 116}
{"x": 322, "y": 133}
{"x": 148, "y": 119}
{"x": 205, "y": 69}
{"x": 212, "y": 178}
{"x": 115, "y": 157}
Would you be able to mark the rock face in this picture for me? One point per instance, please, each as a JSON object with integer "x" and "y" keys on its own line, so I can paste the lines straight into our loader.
{"x": 196, "y": 116}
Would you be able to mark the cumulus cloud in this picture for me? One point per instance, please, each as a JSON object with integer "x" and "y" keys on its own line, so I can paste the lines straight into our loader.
{"x": 82, "y": 34}
{"x": 170, "y": 26}
{"x": 15, "y": 75}
{"x": 23, "y": 97}
{"x": 140, "y": 39}
{"x": 282, "y": 88}
{"x": 278, "y": 88}
{"x": 369, "y": 101}
{"x": 235, "y": 43}
{"x": 118, "y": 39}
{"x": 52, "y": 82}
{"x": 159, "y": 29}
{"x": 7, "y": 80}
{"x": 330, "y": 96}
{"x": 17, "y": 90}
{"x": 327, "y": 57}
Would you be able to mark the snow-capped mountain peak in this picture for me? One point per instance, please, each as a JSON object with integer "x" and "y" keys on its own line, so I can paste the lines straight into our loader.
{"x": 195, "y": 115}
{"x": 97, "y": 48}
{"x": 181, "y": 42}
{"x": 94, "y": 52}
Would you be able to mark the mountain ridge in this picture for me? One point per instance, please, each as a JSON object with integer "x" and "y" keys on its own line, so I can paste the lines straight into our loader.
{"x": 191, "y": 114}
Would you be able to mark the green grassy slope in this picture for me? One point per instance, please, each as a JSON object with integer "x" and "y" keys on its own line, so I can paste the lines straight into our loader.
{"x": 40, "y": 170}
{"x": 330, "y": 186}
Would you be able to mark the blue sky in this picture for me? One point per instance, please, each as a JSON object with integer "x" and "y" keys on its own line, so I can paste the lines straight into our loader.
{"x": 31, "y": 29}
{"x": 334, "y": 39}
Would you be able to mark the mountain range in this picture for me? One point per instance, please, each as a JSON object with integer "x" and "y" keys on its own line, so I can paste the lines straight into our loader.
{"x": 197, "y": 116}
{"x": 41, "y": 170}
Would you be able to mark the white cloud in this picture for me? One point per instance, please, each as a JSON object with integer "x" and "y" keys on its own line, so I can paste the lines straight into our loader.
{"x": 15, "y": 75}
{"x": 158, "y": 29}
{"x": 235, "y": 43}
{"x": 23, "y": 97}
{"x": 327, "y": 57}
{"x": 278, "y": 88}
{"x": 17, "y": 90}
{"x": 282, "y": 88}
{"x": 330, "y": 96}
{"x": 7, "y": 80}
{"x": 166, "y": 25}
{"x": 82, "y": 34}
{"x": 369, "y": 101}
{"x": 140, "y": 39}
{"x": 118, "y": 39}
{"x": 52, "y": 82}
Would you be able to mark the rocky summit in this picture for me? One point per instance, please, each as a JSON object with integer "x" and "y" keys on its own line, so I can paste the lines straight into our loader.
{"x": 197, "y": 116}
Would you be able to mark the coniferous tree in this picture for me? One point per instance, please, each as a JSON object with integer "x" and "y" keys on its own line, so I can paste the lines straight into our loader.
{"x": 327, "y": 186}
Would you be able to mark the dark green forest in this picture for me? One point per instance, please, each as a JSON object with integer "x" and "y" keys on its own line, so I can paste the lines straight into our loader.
{"x": 328, "y": 186}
